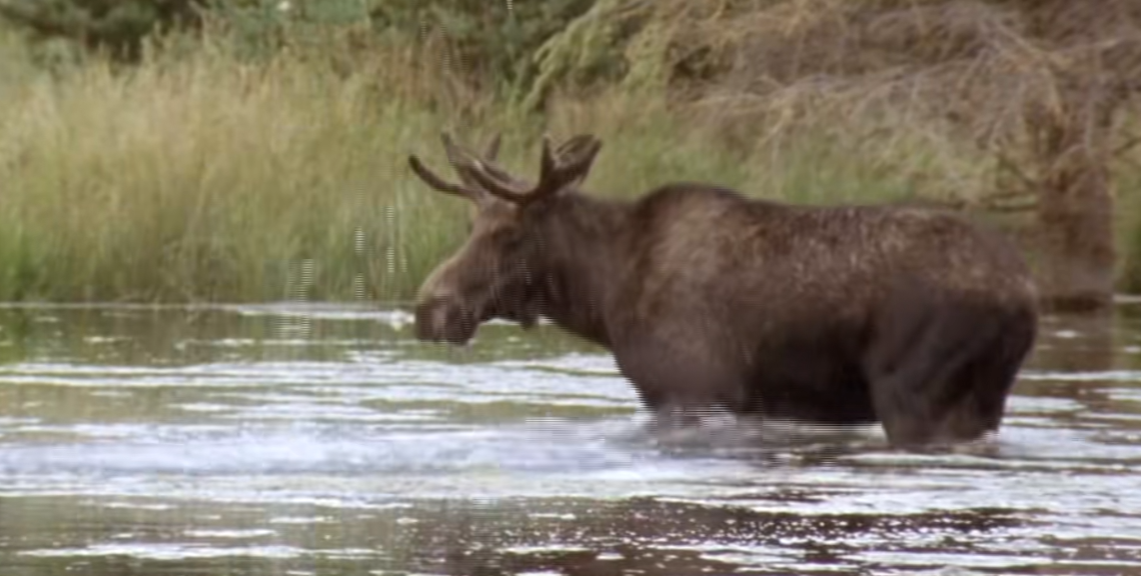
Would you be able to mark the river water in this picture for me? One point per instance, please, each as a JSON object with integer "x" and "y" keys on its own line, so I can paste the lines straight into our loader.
{"x": 298, "y": 439}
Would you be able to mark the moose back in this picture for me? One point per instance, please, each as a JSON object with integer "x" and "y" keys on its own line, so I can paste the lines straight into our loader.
{"x": 914, "y": 318}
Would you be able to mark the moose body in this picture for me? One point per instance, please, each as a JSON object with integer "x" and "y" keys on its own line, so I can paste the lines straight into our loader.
{"x": 914, "y": 318}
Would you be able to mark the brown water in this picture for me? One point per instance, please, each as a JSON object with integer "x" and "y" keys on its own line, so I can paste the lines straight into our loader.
{"x": 293, "y": 440}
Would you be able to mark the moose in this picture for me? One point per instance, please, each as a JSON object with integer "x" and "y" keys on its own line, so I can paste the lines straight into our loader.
{"x": 917, "y": 319}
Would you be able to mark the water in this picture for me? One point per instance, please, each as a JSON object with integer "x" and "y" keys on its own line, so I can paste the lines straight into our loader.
{"x": 296, "y": 440}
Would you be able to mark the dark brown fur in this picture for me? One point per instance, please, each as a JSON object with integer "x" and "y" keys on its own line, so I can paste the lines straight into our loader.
{"x": 913, "y": 318}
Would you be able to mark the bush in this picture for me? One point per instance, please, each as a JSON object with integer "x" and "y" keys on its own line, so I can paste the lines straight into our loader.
{"x": 491, "y": 40}
{"x": 165, "y": 179}
{"x": 117, "y": 27}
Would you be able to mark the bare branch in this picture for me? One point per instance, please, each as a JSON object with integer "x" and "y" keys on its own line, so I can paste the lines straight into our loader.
{"x": 1011, "y": 166}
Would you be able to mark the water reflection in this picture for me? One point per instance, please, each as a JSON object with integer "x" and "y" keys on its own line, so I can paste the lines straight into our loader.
{"x": 635, "y": 535}
{"x": 322, "y": 440}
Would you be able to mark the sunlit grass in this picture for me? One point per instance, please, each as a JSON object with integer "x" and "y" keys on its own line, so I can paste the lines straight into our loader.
{"x": 201, "y": 176}
{"x": 207, "y": 179}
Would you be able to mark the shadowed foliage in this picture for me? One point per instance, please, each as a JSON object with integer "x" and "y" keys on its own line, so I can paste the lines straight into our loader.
{"x": 1038, "y": 86}
{"x": 117, "y": 26}
{"x": 1021, "y": 112}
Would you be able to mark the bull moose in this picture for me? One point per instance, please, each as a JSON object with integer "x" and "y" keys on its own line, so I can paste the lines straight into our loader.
{"x": 915, "y": 318}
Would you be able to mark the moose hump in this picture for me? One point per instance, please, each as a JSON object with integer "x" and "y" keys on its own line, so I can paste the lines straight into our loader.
{"x": 911, "y": 317}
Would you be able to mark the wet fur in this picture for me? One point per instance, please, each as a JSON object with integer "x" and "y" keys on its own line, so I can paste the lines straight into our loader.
{"x": 842, "y": 315}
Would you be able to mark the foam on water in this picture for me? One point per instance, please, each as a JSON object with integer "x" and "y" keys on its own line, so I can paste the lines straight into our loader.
{"x": 333, "y": 450}
{"x": 207, "y": 443}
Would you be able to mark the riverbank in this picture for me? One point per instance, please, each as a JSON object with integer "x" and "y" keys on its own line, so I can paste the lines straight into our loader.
{"x": 199, "y": 175}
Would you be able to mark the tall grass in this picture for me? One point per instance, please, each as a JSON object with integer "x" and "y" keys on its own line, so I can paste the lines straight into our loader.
{"x": 199, "y": 175}
{"x": 1128, "y": 181}
{"x": 206, "y": 178}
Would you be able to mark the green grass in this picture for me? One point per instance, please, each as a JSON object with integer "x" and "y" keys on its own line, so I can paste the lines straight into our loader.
{"x": 1129, "y": 224}
{"x": 205, "y": 177}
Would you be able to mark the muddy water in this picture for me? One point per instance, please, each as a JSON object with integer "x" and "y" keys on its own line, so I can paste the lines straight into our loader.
{"x": 322, "y": 440}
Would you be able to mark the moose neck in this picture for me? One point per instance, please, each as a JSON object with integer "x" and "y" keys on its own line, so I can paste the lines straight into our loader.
{"x": 582, "y": 245}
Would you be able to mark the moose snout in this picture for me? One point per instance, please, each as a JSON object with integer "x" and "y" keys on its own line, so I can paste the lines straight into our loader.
{"x": 441, "y": 319}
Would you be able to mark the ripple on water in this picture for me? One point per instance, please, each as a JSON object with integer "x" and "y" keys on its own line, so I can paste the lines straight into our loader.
{"x": 1081, "y": 376}
{"x": 544, "y": 447}
{"x": 156, "y": 551}
{"x": 230, "y": 534}
{"x": 236, "y": 449}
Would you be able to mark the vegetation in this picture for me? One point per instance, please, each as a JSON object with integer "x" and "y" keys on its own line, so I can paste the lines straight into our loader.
{"x": 185, "y": 150}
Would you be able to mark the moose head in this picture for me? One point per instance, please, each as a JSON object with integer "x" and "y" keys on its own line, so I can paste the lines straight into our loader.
{"x": 497, "y": 272}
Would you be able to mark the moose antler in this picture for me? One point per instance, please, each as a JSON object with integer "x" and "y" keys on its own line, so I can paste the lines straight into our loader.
{"x": 461, "y": 160}
{"x": 572, "y": 161}
{"x": 481, "y": 176}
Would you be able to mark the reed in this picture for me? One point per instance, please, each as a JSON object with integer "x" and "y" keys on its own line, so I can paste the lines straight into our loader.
{"x": 201, "y": 175}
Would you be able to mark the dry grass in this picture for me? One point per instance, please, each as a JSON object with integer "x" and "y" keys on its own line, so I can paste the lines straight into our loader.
{"x": 994, "y": 106}
{"x": 204, "y": 178}
{"x": 199, "y": 176}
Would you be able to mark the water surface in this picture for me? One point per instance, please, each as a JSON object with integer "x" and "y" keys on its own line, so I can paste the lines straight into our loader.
{"x": 298, "y": 439}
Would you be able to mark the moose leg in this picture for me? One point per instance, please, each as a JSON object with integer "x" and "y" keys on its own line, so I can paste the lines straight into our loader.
{"x": 943, "y": 376}
{"x": 680, "y": 383}
{"x": 991, "y": 377}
